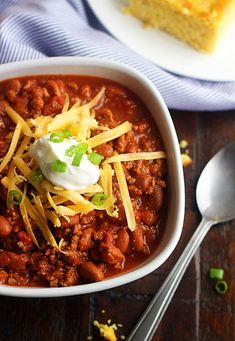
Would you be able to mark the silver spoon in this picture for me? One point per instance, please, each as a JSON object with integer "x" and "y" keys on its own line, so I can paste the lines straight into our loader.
{"x": 215, "y": 195}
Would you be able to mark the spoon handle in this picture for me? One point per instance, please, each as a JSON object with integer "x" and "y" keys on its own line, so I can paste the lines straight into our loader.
{"x": 148, "y": 323}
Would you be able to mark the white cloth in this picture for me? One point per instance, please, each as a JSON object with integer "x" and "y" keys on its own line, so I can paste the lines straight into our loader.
{"x": 45, "y": 28}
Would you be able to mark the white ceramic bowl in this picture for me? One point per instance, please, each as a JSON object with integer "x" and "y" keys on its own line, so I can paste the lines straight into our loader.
{"x": 153, "y": 100}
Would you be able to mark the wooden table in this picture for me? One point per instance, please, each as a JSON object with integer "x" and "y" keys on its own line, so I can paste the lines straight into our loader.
{"x": 196, "y": 312}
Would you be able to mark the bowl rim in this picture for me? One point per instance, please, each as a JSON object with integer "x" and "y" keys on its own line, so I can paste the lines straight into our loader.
{"x": 153, "y": 264}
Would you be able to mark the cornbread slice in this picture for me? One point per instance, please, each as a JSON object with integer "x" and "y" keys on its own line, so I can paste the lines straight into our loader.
{"x": 200, "y": 23}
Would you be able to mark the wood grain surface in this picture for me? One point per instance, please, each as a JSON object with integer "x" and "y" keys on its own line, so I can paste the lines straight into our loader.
{"x": 197, "y": 312}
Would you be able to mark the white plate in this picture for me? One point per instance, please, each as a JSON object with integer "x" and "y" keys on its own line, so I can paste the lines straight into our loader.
{"x": 164, "y": 50}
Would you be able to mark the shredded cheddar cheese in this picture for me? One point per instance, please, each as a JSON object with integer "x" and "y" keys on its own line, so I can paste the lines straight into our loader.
{"x": 110, "y": 135}
{"x": 16, "y": 118}
{"x": 136, "y": 156}
{"x": 46, "y": 203}
{"x": 13, "y": 145}
{"x": 125, "y": 195}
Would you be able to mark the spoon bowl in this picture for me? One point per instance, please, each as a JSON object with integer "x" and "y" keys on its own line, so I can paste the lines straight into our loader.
{"x": 215, "y": 192}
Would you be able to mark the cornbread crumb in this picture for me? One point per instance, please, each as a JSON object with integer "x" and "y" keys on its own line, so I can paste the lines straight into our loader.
{"x": 103, "y": 311}
{"x": 186, "y": 160}
{"x": 120, "y": 325}
{"x": 200, "y": 23}
{"x": 107, "y": 332}
{"x": 89, "y": 338}
{"x": 109, "y": 321}
{"x": 122, "y": 337}
{"x": 183, "y": 144}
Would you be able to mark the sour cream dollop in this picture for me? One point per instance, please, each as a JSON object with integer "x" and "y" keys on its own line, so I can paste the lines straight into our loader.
{"x": 74, "y": 178}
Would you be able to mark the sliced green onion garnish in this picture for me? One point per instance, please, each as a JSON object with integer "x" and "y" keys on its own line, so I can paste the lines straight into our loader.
{"x": 77, "y": 159}
{"x": 99, "y": 199}
{"x": 66, "y": 133}
{"x": 37, "y": 175}
{"x": 59, "y": 166}
{"x": 57, "y": 137}
{"x": 15, "y": 197}
{"x": 216, "y": 273}
{"x": 95, "y": 158}
{"x": 221, "y": 287}
{"x": 82, "y": 148}
{"x": 71, "y": 150}
{"x": 79, "y": 148}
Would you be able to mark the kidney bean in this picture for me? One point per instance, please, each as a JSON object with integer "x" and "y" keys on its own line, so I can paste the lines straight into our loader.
{"x": 137, "y": 240}
{"x": 90, "y": 272}
{"x": 143, "y": 181}
{"x": 86, "y": 240}
{"x": 156, "y": 198}
{"x": 5, "y": 227}
{"x": 13, "y": 260}
{"x": 111, "y": 254}
{"x": 55, "y": 88}
{"x": 149, "y": 217}
{"x": 123, "y": 240}
{"x": 105, "y": 149}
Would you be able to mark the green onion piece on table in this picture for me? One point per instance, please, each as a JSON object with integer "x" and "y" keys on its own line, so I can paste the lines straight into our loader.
{"x": 216, "y": 273}
{"x": 37, "y": 175}
{"x": 95, "y": 158}
{"x": 77, "y": 159}
{"x": 221, "y": 287}
{"x": 57, "y": 137}
{"x": 99, "y": 199}
{"x": 59, "y": 166}
{"x": 15, "y": 197}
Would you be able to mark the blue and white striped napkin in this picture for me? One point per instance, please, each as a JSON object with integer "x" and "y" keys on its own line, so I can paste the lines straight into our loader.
{"x": 45, "y": 28}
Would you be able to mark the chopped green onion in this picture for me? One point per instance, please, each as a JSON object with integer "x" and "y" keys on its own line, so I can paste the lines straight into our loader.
{"x": 221, "y": 287}
{"x": 77, "y": 159}
{"x": 66, "y": 133}
{"x": 95, "y": 158}
{"x": 59, "y": 166}
{"x": 15, "y": 197}
{"x": 216, "y": 273}
{"x": 82, "y": 148}
{"x": 37, "y": 175}
{"x": 57, "y": 137}
{"x": 71, "y": 150}
{"x": 99, "y": 199}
